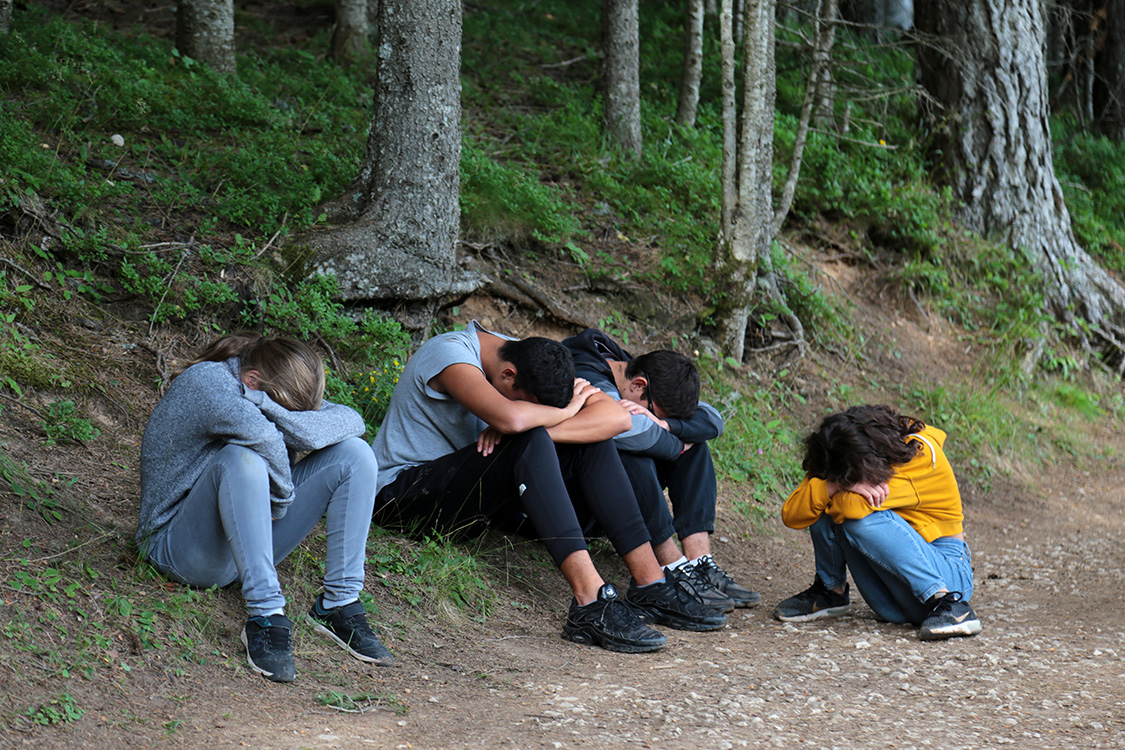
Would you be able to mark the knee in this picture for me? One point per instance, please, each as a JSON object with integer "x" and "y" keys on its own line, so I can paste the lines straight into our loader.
{"x": 244, "y": 463}
{"x": 359, "y": 456}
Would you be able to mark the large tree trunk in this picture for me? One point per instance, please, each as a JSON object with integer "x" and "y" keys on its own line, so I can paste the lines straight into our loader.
{"x": 621, "y": 78}
{"x": 205, "y": 32}
{"x": 349, "y": 35}
{"x": 1109, "y": 92}
{"x": 747, "y": 164}
{"x": 693, "y": 64}
{"x": 987, "y": 68}
{"x": 402, "y": 243}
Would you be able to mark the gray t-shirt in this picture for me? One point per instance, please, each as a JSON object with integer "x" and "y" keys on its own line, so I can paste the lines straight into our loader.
{"x": 421, "y": 423}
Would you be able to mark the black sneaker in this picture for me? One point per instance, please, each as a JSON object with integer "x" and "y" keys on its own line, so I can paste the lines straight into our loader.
{"x": 610, "y": 623}
{"x": 674, "y": 603}
{"x": 269, "y": 650}
{"x": 950, "y": 617}
{"x": 710, "y": 595}
{"x": 706, "y": 569}
{"x": 816, "y": 601}
{"x": 347, "y": 626}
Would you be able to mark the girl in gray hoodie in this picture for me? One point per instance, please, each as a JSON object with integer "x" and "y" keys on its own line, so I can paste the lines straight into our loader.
{"x": 224, "y": 499}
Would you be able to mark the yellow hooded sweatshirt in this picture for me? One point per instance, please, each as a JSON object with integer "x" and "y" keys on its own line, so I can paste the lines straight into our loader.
{"x": 923, "y": 491}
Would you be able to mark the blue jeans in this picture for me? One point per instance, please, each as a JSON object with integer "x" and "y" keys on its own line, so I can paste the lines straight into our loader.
{"x": 894, "y": 568}
{"x": 223, "y": 531}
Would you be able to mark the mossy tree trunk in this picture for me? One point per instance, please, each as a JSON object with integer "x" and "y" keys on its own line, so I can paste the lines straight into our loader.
{"x": 744, "y": 242}
{"x": 349, "y": 34}
{"x": 205, "y": 32}
{"x": 986, "y": 67}
{"x": 398, "y": 236}
{"x": 621, "y": 77}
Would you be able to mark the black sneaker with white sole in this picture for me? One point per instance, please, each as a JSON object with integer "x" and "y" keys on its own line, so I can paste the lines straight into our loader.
{"x": 269, "y": 648}
{"x": 610, "y": 623}
{"x": 674, "y": 603}
{"x": 814, "y": 602}
{"x": 347, "y": 627}
{"x": 951, "y": 617}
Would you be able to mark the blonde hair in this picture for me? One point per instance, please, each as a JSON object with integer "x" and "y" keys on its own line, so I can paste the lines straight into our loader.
{"x": 289, "y": 371}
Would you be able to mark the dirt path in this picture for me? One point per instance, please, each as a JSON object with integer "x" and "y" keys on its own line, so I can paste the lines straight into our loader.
{"x": 1047, "y": 671}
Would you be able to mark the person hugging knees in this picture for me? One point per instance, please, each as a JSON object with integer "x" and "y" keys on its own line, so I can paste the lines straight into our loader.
{"x": 666, "y": 447}
{"x": 880, "y": 499}
{"x": 223, "y": 500}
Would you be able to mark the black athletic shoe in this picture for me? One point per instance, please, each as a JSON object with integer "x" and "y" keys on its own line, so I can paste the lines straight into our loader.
{"x": 269, "y": 650}
{"x": 347, "y": 626}
{"x": 610, "y": 623}
{"x": 951, "y": 617}
{"x": 816, "y": 601}
{"x": 674, "y": 603}
{"x": 710, "y": 595}
{"x": 707, "y": 569}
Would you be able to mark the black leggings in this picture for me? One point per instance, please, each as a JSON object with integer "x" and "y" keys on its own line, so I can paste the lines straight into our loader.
{"x": 526, "y": 476}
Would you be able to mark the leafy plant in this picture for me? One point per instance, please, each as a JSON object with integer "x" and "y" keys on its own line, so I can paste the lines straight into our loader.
{"x": 63, "y": 424}
{"x": 60, "y": 709}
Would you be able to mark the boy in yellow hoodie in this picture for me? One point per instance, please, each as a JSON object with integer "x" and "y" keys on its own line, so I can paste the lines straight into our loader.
{"x": 880, "y": 499}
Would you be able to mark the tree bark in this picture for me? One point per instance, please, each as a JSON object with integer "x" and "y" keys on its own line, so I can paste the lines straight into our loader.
{"x": 692, "y": 73}
{"x": 819, "y": 79}
{"x": 988, "y": 70}
{"x": 621, "y": 78}
{"x": 747, "y": 207}
{"x": 349, "y": 35}
{"x": 1109, "y": 93}
{"x": 205, "y": 32}
{"x": 402, "y": 242}
{"x": 5, "y": 16}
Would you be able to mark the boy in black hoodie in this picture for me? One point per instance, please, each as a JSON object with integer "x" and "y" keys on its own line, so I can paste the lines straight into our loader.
{"x": 666, "y": 448}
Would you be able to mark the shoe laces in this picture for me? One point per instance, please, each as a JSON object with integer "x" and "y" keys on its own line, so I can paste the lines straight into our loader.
{"x": 271, "y": 638}
{"x": 619, "y": 614}
{"x": 946, "y": 602}
{"x": 708, "y": 567}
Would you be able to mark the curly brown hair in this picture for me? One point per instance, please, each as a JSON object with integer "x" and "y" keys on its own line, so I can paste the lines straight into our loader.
{"x": 861, "y": 444}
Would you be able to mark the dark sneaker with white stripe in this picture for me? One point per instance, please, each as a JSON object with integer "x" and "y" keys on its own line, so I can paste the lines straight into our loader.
{"x": 347, "y": 626}
{"x": 610, "y": 623}
{"x": 816, "y": 601}
{"x": 674, "y": 603}
{"x": 269, "y": 649}
{"x": 706, "y": 569}
{"x": 951, "y": 617}
{"x": 710, "y": 595}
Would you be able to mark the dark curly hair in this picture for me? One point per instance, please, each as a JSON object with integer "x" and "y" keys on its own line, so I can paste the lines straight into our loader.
{"x": 863, "y": 443}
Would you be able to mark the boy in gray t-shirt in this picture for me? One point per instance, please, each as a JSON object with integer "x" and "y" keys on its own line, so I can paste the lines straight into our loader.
{"x": 484, "y": 429}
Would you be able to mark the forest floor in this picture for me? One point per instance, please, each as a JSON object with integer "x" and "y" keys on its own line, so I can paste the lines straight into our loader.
{"x": 1046, "y": 672}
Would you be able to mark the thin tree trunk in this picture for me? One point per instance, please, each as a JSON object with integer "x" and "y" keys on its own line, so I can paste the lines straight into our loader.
{"x": 746, "y": 224}
{"x": 821, "y": 57}
{"x": 349, "y": 35}
{"x": 988, "y": 71}
{"x": 205, "y": 32}
{"x": 621, "y": 74}
{"x": 402, "y": 243}
{"x": 693, "y": 64}
{"x": 5, "y": 16}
